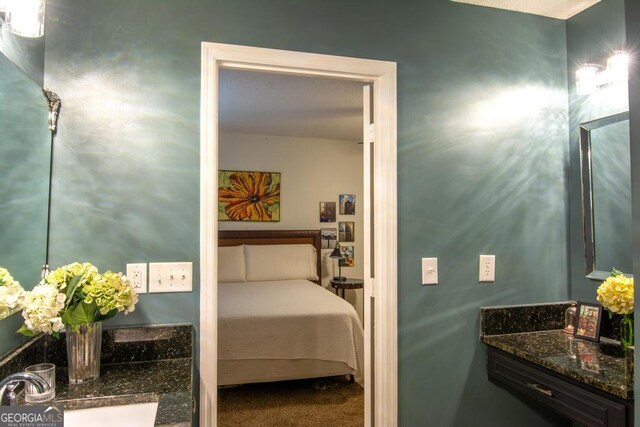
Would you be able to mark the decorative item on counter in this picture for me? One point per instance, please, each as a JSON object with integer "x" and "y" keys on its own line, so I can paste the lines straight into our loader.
{"x": 569, "y": 319}
{"x": 76, "y": 297}
{"x": 11, "y": 294}
{"x": 588, "y": 323}
{"x": 616, "y": 295}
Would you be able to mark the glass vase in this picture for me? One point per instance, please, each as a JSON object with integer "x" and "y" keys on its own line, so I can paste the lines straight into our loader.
{"x": 84, "y": 344}
{"x": 626, "y": 332}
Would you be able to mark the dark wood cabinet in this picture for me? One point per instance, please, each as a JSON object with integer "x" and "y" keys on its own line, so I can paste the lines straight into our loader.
{"x": 577, "y": 401}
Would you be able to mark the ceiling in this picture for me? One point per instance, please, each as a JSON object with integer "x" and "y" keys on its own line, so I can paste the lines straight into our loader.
{"x": 560, "y": 9}
{"x": 276, "y": 104}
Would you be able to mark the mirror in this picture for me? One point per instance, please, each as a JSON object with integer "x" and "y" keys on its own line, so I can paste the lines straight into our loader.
{"x": 25, "y": 161}
{"x": 606, "y": 195}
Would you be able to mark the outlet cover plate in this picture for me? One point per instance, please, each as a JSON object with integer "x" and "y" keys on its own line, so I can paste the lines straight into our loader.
{"x": 487, "y": 268}
{"x": 137, "y": 275}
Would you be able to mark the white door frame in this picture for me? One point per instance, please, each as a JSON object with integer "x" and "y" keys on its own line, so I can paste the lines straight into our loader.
{"x": 384, "y": 287}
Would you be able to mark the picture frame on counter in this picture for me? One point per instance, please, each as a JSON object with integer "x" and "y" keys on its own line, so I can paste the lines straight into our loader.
{"x": 588, "y": 317}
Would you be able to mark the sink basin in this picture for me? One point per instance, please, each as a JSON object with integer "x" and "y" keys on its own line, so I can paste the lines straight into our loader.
{"x": 134, "y": 415}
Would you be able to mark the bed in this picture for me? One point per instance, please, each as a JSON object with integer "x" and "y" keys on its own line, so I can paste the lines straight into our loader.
{"x": 275, "y": 322}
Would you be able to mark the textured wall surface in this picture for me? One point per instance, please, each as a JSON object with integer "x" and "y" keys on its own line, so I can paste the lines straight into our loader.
{"x": 632, "y": 10}
{"x": 592, "y": 36}
{"x": 483, "y": 160}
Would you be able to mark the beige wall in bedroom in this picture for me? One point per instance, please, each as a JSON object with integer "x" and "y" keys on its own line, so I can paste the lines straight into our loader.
{"x": 313, "y": 171}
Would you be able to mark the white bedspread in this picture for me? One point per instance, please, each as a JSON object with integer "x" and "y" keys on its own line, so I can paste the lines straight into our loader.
{"x": 291, "y": 319}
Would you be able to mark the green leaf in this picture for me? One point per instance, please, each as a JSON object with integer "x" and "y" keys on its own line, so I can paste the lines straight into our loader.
{"x": 71, "y": 289}
{"x": 26, "y": 331}
{"x": 109, "y": 315}
{"x": 81, "y": 313}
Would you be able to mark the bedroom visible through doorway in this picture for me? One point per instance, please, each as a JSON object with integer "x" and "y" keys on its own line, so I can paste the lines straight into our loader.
{"x": 379, "y": 207}
{"x": 290, "y": 160}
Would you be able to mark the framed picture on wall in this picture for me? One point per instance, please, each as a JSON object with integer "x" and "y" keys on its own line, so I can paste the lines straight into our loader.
{"x": 346, "y": 231}
{"x": 588, "y": 321}
{"x": 327, "y": 211}
{"x": 248, "y": 196}
{"x": 347, "y": 252}
{"x": 347, "y": 204}
{"x": 329, "y": 237}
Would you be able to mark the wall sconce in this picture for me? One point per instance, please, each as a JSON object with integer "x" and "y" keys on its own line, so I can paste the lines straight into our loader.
{"x": 590, "y": 77}
{"x": 24, "y": 17}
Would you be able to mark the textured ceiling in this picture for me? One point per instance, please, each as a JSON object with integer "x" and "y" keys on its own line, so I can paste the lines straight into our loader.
{"x": 275, "y": 104}
{"x": 560, "y": 9}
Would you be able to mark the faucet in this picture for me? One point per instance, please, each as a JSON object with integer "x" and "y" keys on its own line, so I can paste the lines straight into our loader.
{"x": 12, "y": 382}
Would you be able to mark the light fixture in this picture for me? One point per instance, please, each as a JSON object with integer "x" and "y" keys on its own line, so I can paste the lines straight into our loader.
{"x": 340, "y": 256}
{"x": 587, "y": 79}
{"x": 618, "y": 66}
{"x": 590, "y": 77}
{"x": 24, "y": 17}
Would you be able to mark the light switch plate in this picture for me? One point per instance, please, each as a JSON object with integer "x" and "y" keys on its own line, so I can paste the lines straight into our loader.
{"x": 487, "y": 268}
{"x": 429, "y": 271}
{"x": 170, "y": 277}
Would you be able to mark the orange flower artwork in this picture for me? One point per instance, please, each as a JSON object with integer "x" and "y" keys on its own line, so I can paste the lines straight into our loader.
{"x": 248, "y": 196}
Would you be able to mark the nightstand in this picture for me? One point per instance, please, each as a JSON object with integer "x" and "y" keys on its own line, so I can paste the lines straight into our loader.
{"x": 341, "y": 285}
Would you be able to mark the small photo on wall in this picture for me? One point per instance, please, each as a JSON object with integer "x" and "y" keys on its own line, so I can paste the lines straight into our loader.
{"x": 327, "y": 211}
{"x": 347, "y": 204}
{"x": 347, "y": 251}
{"x": 329, "y": 237}
{"x": 346, "y": 231}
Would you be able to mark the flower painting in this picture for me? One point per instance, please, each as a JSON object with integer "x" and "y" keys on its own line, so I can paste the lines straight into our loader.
{"x": 248, "y": 196}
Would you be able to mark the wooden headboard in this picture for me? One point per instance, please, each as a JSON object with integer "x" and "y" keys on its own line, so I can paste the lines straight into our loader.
{"x": 273, "y": 237}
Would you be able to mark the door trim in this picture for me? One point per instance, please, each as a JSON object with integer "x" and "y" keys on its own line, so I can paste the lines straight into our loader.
{"x": 383, "y": 76}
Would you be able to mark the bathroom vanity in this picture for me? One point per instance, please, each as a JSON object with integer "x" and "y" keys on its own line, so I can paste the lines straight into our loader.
{"x": 139, "y": 365}
{"x": 528, "y": 353}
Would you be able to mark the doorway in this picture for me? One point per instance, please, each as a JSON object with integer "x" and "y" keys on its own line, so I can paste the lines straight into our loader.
{"x": 379, "y": 211}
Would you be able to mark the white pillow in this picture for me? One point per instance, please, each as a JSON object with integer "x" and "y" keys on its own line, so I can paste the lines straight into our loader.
{"x": 280, "y": 262}
{"x": 231, "y": 265}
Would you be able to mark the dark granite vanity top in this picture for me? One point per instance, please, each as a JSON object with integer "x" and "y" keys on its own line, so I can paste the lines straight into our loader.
{"x": 600, "y": 365}
{"x": 139, "y": 365}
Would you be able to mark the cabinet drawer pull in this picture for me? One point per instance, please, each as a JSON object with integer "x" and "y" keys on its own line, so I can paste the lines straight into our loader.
{"x": 540, "y": 389}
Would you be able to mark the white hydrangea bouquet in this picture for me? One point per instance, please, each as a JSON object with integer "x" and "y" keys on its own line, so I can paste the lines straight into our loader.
{"x": 11, "y": 294}
{"x": 616, "y": 295}
{"x": 74, "y": 295}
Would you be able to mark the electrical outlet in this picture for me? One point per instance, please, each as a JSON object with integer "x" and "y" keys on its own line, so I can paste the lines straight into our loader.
{"x": 487, "y": 268}
{"x": 137, "y": 275}
{"x": 429, "y": 271}
{"x": 170, "y": 277}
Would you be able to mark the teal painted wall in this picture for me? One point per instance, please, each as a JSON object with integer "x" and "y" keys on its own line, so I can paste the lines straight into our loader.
{"x": 483, "y": 160}
{"x": 592, "y": 36}
{"x": 632, "y": 9}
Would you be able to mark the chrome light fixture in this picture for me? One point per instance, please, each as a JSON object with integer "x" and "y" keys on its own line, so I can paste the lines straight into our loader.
{"x": 24, "y": 18}
{"x": 591, "y": 77}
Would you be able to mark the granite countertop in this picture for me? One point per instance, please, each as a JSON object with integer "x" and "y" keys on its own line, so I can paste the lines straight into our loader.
{"x": 161, "y": 381}
{"x": 584, "y": 361}
{"x": 138, "y": 365}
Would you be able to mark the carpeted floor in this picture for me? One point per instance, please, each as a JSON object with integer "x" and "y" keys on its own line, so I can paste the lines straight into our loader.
{"x": 316, "y": 402}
